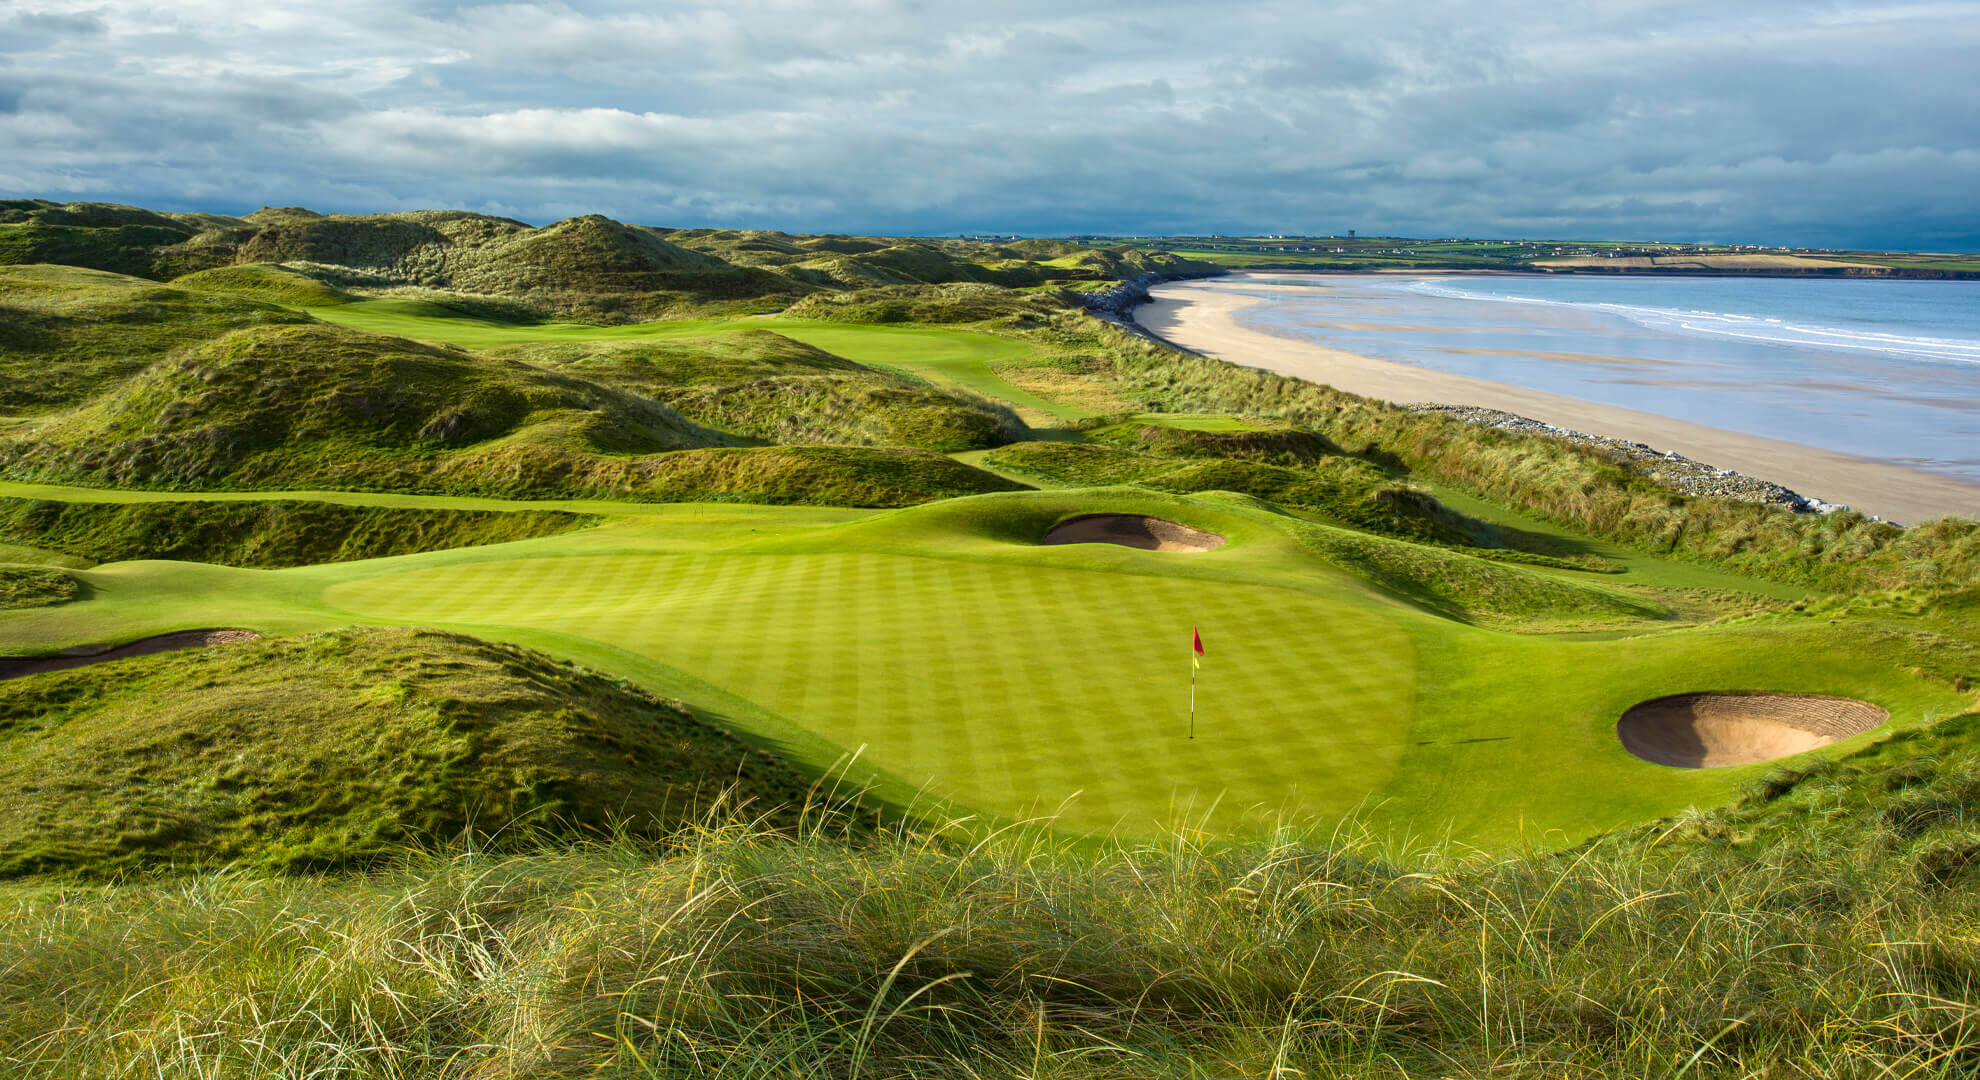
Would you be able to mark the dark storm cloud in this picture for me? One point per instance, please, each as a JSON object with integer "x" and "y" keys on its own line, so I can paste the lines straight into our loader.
{"x": 1827, "y": 123}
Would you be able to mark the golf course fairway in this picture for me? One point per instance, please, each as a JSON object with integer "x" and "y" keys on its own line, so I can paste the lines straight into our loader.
{"x": 969, "y": 665}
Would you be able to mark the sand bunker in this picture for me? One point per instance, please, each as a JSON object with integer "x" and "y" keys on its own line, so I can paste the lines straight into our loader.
{"x": 1709, "y": 731}
{"x": 85, "y": 655}
{"x": 1133, "y": 530}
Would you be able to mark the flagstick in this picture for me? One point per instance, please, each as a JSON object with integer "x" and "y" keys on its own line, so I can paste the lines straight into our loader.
{"x": 1192, "y": 689}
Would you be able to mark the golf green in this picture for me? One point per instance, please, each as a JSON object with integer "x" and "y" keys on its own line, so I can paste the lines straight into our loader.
{"x": 1010, "y": 688}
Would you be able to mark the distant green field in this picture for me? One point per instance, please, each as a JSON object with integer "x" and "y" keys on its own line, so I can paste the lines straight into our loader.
{"x": 939, "y": 354}
{"x": 975, "y": 665}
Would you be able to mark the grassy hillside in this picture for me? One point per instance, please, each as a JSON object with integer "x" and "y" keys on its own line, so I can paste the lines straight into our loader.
{"x": 327, "y": 748}
{"x": 101, "y": 236}
{"x": 766, "y": 386}
{"x": 35, "y": 586}
{"x": 283, "y": 285}
{"x": 589, "y": 266}
{"x": 264, "y": 534}
{"x": 861, "y": 262}
{"x": 67, "y": 334}
{"x": 919, "y": 305}
{"x": 324, "y": 406}
{"x": 808, "y": 475}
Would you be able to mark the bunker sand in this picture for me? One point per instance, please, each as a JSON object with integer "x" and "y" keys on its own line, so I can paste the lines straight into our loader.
{"x": 1710, "y": 731}
{"x": 1197, "y": 315}
{"x": 184, "y": 639}
{"x": 1135, "y": 531}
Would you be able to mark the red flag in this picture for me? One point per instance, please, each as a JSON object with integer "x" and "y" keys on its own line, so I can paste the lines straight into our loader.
{"x": 1197, "y": 643}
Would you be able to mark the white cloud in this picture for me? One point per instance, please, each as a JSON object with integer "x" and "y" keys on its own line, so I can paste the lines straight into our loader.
{"x": 1845, "y": 122}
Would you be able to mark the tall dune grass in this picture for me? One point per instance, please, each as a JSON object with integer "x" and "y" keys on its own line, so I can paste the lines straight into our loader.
{"x": 742, "y": 952}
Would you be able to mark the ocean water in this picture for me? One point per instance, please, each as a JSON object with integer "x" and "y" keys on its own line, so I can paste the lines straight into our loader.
{"x": 1883, "y": 369}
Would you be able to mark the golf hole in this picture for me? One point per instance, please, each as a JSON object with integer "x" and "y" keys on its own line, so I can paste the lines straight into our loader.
{"x": 97, "y": 654}
{"x": 1714, "y": 730}
{"x": 1133, "y": 530}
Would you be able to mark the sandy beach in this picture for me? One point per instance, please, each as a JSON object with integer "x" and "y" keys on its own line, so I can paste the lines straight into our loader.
{"x": 1197, "y": 315}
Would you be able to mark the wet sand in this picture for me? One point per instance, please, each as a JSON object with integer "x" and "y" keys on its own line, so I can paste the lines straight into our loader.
{"x": 1197, "y": 315}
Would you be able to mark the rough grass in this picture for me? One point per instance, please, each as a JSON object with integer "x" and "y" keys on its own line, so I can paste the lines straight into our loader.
{"x": 261, "y": 534}
{"x": 947, "y": 304}
{"x": 1478, "y": 590}
{"x": 325, "y": 406}
{"x": 35, "y": 586}
{"x": 811, "y": 475}
{"x": 132, "y": 248}
{"x": 931, "y": 953}
{"x": 67, "y": 334}
{"x": 264, "y": 281}
{"x": 340, "y": 746}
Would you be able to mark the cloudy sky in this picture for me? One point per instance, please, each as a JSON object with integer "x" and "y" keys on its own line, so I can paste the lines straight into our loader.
{"x": 1845, "y": 123}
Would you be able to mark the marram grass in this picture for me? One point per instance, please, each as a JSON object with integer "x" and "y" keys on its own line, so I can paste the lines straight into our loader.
{"x": 741, "y": 952}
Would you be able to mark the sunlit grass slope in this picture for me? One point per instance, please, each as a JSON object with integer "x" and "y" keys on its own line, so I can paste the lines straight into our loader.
{"x": 769, "y": 386}
{"x": 321, "y": 405}
{"x": 326, "y": 748}
{"x": 266, "y": 533}
{"x": 325, "y": 406}
{"x": 947, "y": 356}
{"x": 24, "y": 586}
{"x": 68, "y": 333}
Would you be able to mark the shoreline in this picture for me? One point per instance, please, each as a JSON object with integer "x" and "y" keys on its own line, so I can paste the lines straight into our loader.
{"x": 1197, "y": 316}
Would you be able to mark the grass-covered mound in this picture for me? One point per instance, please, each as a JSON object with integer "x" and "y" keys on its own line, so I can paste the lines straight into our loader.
{"x": 326, "y": 407}
{"x": 1478, "y": 590}
{"x": 1449, "y": 583}
{"x": 1284, "y": 466}
{"x": 766, "y": 386}
{"x": 589, "y": 266}
{"x": 339, "y": 746}
{"x": 67, "y": 334}
{"x": 1911, "y": 799}
{"x": 272, "y": 533}
{"x": 102, "y": 236}
{"x": 858, "y": 262}
{"x": 266, "y": 281}
{"x": 811, "y": 475}
{"x": 1832, "y": 938}
{"x": 971, "y": 303}
{"x": 35, "y": 586}
{"x": 322, "y": 406}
